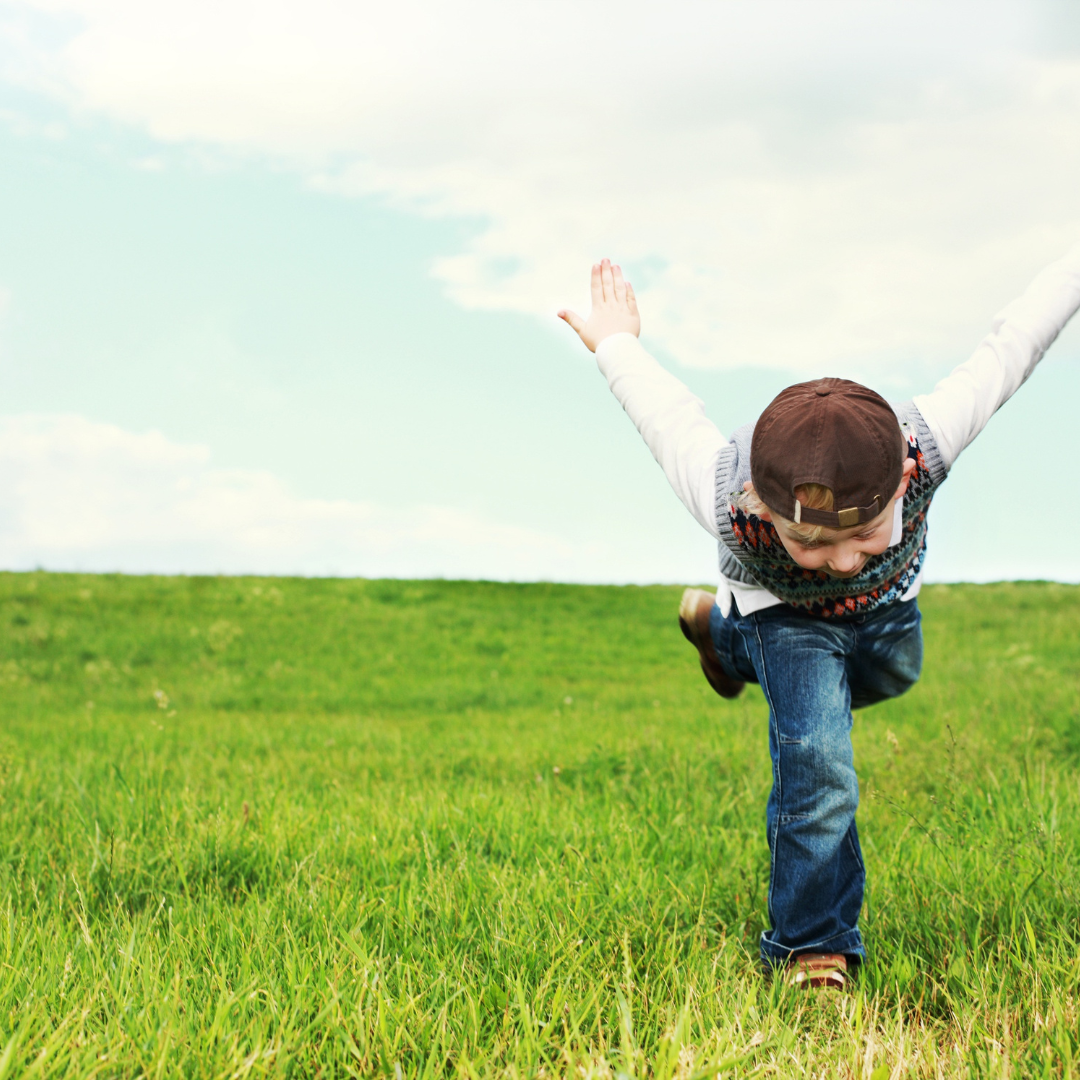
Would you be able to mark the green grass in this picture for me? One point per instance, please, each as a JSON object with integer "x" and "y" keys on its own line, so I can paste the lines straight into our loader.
{"x": 294, "y": 827}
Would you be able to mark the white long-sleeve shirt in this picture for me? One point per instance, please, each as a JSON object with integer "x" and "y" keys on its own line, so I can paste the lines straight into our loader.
{"x": 686, "y": 443}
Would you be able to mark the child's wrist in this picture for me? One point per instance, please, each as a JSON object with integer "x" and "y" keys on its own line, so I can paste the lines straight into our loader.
{"x": 615, "y": 334}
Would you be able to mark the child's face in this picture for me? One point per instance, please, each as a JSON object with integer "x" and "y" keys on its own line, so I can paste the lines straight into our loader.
{"x": 842, "y": 553}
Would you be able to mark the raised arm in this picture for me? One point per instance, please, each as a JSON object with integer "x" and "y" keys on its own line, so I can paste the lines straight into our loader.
{"x": 671, "y": 419}
{"x": 961, "y": 405}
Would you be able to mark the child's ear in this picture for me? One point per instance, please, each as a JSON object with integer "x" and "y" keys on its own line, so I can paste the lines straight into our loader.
{"x": 905, "y": 477}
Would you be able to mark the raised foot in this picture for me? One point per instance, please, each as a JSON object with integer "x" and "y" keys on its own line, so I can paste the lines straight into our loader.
{"x": 694, "y": 611}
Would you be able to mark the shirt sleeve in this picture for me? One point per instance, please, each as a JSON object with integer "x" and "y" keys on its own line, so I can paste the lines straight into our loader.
{"x": 961, "y": 405}
{"x": 671, "y": 420}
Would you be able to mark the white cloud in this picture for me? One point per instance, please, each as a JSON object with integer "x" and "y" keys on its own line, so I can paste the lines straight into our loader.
{"x": 839, "y": 185}
{"x": 79, "y": 495}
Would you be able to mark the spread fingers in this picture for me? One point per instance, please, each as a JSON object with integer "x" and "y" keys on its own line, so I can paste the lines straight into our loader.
{"x": 608, "y": 280}
{"x": 620, "y": 285}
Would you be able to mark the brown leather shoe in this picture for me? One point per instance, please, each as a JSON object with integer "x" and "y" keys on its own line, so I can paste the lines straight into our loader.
{"x": 818, "y": 971}
{"x": 694, "y": 612}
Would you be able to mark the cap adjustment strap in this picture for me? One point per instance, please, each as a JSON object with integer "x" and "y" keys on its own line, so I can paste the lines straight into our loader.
{"x": 838, "y": 519}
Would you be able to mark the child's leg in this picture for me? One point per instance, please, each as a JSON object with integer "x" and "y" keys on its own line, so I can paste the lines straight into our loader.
{"x": 812, "y": 674}
{"x": 817, "y": 877}
{"x": 888, "y": 658}
{"x": 730, "y": 644}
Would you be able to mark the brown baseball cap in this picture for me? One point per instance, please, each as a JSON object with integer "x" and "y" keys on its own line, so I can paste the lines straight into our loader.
{"x": 832, "y": 432}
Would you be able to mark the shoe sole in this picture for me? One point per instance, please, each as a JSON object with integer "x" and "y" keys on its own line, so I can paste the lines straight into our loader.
{"x": 818, "y": 971}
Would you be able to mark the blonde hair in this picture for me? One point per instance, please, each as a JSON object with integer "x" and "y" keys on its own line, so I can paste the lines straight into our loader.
{"x": 812, "y": 496}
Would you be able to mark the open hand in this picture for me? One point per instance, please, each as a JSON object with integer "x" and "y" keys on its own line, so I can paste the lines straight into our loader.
{"x": 614, "y": 307}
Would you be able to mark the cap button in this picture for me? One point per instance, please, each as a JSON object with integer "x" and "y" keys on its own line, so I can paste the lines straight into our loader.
{"x": 822, "y": 391}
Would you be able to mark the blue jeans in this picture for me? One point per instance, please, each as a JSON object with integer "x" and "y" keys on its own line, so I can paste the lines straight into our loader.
{"x": 813, "y": 673}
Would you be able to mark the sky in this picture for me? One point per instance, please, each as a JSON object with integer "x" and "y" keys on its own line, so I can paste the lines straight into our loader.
{"x": 278, "y": 281}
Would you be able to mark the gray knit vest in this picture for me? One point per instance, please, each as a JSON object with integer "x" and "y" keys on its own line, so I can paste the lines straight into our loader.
{"x": 751, "y": 552}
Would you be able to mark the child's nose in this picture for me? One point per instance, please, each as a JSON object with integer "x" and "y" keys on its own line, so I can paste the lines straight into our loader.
{"x": 843, "y": 562}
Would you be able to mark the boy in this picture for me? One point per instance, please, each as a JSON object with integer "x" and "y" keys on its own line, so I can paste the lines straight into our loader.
{"x": 820, "y": 512}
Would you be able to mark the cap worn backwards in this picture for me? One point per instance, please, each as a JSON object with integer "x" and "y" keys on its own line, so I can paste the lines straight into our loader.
{"x": 832, "y": 432}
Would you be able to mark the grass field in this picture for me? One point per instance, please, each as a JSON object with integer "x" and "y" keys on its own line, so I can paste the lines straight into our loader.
{"x": 325, "y": 828}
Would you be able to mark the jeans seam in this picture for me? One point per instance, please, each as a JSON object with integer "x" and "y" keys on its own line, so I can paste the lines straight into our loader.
{"x": 856, "y": 853}
{"x": 778, "y": 778}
